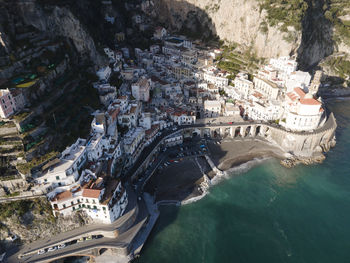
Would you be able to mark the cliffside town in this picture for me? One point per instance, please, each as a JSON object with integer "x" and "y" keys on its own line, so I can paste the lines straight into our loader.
{"x": 81, "y": 103}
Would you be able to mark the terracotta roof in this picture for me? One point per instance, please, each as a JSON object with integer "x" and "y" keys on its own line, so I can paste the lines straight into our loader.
{"x": 257, "y": 94}
{"x": 114, "y": 113}
{"x": 91, "y": 193}
{"x": 300, "y": 92}
{"x": 292, "y": 96}
{"x": 133, "y": 109}
{"x": 310, "y": 102}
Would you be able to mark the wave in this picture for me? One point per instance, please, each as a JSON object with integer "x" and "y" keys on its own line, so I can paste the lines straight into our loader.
{"x": 195, "y": 199}
{"x": 243, "y": 168}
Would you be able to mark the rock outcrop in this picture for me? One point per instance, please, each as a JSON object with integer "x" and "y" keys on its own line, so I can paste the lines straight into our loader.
{"x": 247, "y": 23}
{"x": 232, "y": 20}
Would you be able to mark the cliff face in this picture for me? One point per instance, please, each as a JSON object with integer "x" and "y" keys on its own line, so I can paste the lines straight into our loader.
{"x": 232, "y": 20}
{"x": 59, "y": 21}
{"x": 81, "y": 22}
{"x": 272, "y": 28}
{"x": 32, "y": 220}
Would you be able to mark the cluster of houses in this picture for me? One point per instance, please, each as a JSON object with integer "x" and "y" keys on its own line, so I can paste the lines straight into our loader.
{"x": 170, "y": 84}
{"x": 278, "y": 92}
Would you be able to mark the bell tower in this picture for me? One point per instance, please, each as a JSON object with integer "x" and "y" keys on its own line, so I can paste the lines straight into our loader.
{"x": 316, "y": 82}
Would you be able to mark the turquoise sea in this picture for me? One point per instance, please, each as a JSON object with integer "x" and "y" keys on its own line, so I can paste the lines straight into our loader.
{"x": 268, "y": 214}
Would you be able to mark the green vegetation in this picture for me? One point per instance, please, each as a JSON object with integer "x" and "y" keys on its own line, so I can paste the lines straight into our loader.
{"x": 234, "y": 61}
{"x": 284, "y": 13}
{"x": 19, "y": 208}
{"x": 341, "y": 65}
{"x": 25, "y": 168}
{"x": 335, "y": 11}
{"x": 13, "y": 194}
{"x": 21, "y": 116}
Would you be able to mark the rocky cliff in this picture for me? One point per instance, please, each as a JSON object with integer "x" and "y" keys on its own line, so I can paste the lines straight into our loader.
{"x": 30, "y": 220}
{"x": 81, "y": 22}
{"x": 309, "y": 29}
{"x": 236, "y": 21}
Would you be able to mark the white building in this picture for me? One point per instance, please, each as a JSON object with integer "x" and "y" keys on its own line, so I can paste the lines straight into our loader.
{"x": 284, "y": 64}
{"x": 65, "y": 170}
{"x": 212, "y": 108}
{"x": 173, "y": 140}
{"x": 110, "y": 54}
{"x": 98, "y": 124}
{"x": 268, "y": 111}
{"x": 95, "y": 147}
{"x": 145, "y": 121}
{"x": 183, "y": 117}
{"x": 140, "y": 89}
{"x": 231, "y": 110}
{"x": 243, "y": 86}
{"x": 159, "y": 32}
{"x": 303, "y": 111}
{"x": 266, "y": 87}
{"x": 102, "y": 206}
{"x": 215, "y": 77}
{"x": 298, "y": 79}
{"x": 133, "y": 142}
{"x": 104, "y": 73}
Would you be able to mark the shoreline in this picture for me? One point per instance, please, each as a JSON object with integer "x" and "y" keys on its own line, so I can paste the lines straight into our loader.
{"x": 228, "y": 157}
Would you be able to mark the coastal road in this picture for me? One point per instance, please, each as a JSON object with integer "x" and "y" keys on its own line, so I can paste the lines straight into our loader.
{"x": 133, "y": 208}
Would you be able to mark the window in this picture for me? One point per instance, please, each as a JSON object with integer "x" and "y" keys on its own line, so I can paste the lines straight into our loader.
{"x": 104, "y": 208}
{"x": 64, "y": 205}
{"x": 57, "y": 178}
{"x": 84, "y": 205}
{"x": 73, "y": 208}
{"x": 95, "y": 207}
{"x": 72, "y": 203}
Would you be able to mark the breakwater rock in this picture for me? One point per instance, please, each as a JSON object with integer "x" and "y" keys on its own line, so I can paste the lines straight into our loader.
{"x": 293, "y": 161}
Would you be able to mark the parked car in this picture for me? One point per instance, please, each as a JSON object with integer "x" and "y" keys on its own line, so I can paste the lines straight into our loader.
{"x": 89, "y": 238}
{"x": 81, "y": 239}
{"x": 41, "y": 251}
{"x": 51, "y": 249}
{"x": 97, "y": 236}
{"x": 61, "y": 246}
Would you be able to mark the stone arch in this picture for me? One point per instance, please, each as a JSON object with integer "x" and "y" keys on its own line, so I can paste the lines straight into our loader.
{"x": 102, "y": 250}
{"x": 257, "y": 131}
{"x": 267, "y": 131}
{"x": 237, "y": 131}
{"x": 196, "y": 132}
{"x": 227, "y": 131}
{"x": 247, "y": 131}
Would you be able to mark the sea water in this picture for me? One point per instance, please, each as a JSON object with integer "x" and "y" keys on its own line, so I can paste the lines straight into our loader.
{"x": 267, "y": 214}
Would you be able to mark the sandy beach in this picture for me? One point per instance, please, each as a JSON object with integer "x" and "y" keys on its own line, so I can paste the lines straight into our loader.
{"x": 231, "y": 153}
{"x": 181, "y": 180}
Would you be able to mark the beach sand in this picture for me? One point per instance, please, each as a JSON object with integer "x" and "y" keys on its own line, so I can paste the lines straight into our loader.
{"x": 231, "y": 153}
{"x": 180, "y": 181}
